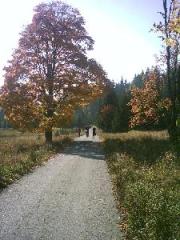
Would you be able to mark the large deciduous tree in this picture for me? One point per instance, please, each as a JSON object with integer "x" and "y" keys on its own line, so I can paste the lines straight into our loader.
{"x": 49, "y": 73}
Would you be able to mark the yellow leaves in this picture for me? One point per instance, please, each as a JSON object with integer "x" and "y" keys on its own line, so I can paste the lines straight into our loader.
{"x": 169, "y": 28}
{"x": 46, "y": 123}
{"x": 165, "y": 104}
{"x": 177, "y": 28}
{"x": 174, "y": 24}
{"x": 170, "y": 42}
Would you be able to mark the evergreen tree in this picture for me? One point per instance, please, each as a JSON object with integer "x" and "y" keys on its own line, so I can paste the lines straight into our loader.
{"x": 114, "y": 114}
{"x": 138, "y": 80}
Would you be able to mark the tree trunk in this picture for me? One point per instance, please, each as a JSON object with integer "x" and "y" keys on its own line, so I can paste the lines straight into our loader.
{"x": 178, "y": 85}
{"x": 48, "y": 136}
{"x": 50, "y": 110}
{"x": 174, "y": 107}
{"x": 173, "y": 127}
{"x": 171, "y": 76}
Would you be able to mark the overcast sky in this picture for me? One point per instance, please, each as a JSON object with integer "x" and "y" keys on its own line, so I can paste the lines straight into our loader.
{"x": 123, "y": 44}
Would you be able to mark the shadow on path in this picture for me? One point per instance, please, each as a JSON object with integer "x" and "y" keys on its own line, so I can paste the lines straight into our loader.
{"x": 86, "y": 149}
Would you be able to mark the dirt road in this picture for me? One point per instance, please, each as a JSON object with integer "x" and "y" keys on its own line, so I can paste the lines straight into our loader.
{"x": 69, "y": 198}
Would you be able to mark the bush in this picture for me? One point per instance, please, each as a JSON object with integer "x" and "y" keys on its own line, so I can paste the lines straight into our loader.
{"x": 123, "y": 170}
{"x": 146, "y": 176}
{"x": 153, "y": 212}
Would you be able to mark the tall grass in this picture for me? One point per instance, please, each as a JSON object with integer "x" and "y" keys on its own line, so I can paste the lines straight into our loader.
{"x": 145, "y": 170}
{"x": 21, "y": 152}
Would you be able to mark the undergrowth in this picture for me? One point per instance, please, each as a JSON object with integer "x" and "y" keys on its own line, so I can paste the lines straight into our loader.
{"x": 145, "y": 171}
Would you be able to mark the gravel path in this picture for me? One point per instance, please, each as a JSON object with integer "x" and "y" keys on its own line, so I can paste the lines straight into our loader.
{"x": 69, "y": 198}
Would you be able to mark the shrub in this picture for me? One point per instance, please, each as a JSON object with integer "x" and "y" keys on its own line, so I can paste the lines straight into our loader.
{"x": 145, "y": 172}
{"x": 123, "y": 170}
{"x": 153, "y": 212}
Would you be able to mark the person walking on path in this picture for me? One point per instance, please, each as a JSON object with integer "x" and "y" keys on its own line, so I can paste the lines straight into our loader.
{"x": 94, "y": 131}
{"x": 87, "y": 131}
{"x": 79, "y": 132}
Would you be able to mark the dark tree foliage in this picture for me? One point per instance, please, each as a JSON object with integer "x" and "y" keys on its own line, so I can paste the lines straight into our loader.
{"x": 114, "y": 113}
{"x": 138, "y": 80}
{"x": 87, "y": 115}
{"x": 108, "y": 111}
{"x": 3, "y": 122}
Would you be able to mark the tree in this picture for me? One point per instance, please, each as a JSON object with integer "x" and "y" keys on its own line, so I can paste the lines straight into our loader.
{"x": 169, "y": 31}
{"x": 108, "y": 110}
{"x": 147, "y": 105}
{"x": 138, "y": 80}
{"x": 122, "y": 115}
{"x": 114, "y": 113}
{"x": 49, "y": 74}
{"x": 87, "y": 115}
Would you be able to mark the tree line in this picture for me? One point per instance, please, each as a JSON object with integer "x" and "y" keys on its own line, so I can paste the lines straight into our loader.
{"x": 141, "y": 104}
{"x": 152, "y": 100}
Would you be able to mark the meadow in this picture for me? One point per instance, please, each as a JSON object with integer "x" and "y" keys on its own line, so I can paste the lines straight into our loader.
{"x": 144, "y": 167}
{"x": 21, "y": 152}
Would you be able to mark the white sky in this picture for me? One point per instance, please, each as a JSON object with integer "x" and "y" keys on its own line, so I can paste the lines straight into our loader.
{"x": 123, "y": 44}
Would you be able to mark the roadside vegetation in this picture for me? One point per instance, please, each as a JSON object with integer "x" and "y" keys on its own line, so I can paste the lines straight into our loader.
{"x": 145, "y": 171}
{"x": 21, "y": 152}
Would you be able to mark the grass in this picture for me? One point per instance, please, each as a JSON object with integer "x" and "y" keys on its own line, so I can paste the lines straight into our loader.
{"x": 21, "y": 152}
{"x": 145, "y": 171}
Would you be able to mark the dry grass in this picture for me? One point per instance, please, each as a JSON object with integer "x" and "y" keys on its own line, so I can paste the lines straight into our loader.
{"x": 136, "y": 135}
{"x": 21, "y": 152}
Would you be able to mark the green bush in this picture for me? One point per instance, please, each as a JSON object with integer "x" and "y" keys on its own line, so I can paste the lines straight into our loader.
{"x": 33, "y": 156}
{"x": 6, "y": 176}
{"x": 123, "y": 170}
{"x": 153, "y": 212}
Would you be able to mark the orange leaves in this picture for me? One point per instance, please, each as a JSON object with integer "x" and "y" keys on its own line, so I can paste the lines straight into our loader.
{"x": 49, "y": 74}
{"x": 21, "y": 110}
{"x": 146, "y": 105}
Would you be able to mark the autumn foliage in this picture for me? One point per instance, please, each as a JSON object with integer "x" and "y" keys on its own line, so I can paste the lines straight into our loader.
{"x": 50, "y": 74}
{"x": 147, "y": 107}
